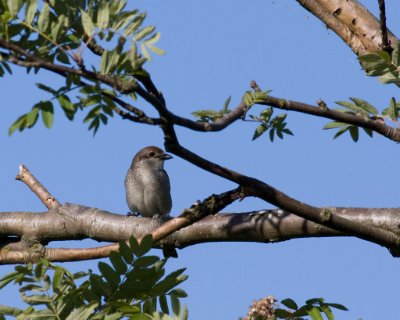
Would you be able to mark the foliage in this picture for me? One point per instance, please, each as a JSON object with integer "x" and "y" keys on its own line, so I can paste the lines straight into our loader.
{"x": 385, "y": 66}
{"x": 61, "y": 32}
{"x": 275, "y": 125}
{"x": 131, "y": 284}
{"x": 313, "y": 308}
{"x": 212, "y": 115}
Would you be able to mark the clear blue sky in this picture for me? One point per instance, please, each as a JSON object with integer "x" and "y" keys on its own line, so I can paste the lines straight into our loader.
{"x": 214, "y": 49}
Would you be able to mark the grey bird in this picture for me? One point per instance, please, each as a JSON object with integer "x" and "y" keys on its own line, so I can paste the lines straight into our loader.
{"x": 147, "y": 187}
{"x": 147, "y": 183}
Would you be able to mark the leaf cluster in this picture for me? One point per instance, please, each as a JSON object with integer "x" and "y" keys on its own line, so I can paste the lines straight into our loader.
{"x": 383, "y": 65}
{"x": 276, "y": 125}
{"x": 132, "y": 284}
{"x": 314, "y": 308}
{"x": 63, "y": 32}
{"x": 364, "y": 109}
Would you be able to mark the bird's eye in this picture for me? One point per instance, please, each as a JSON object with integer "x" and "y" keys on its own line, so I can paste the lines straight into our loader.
{"x": 151, "y": 154}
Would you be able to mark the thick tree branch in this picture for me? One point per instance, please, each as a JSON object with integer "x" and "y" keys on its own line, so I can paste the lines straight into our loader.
{"x": 35, "y": 250}
{"x": 72, "y": 222}
{"x": 351, "y": 21}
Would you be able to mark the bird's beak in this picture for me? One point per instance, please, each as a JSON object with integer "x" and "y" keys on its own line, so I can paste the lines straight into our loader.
{"x": 165, "y": 156}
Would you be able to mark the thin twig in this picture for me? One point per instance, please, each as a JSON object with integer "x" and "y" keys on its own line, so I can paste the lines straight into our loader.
{"x": 28, "y": 178}
{"x": 382, "y": 13}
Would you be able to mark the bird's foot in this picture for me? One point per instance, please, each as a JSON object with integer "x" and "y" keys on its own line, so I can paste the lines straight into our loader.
{"x": 133, "y": 214}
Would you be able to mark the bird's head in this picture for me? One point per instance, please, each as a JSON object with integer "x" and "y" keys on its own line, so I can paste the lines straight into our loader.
{"x": 151, "y": 156}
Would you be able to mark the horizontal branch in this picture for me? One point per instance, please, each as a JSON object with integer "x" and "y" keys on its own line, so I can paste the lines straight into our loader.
{"x": 73, "y": 222}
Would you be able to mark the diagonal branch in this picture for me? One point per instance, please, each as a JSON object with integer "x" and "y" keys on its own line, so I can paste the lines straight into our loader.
{"x": 257, "y": 188}
{"x": 351, "y": 21}
{"x": 28, "y": 178}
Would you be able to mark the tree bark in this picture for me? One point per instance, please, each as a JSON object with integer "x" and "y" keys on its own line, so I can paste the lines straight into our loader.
{"x": 352, "y": 22}
{"x": 76, "y": 222}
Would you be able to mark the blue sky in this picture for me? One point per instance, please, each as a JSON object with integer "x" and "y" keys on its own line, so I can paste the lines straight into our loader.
{"x": 213, "y": 51}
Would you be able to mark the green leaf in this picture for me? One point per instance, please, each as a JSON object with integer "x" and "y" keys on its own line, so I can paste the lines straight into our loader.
{"x": 47, "y": 110}
{"x": 271, "y": 134}
{"x": 30, "y": 11}
{"x": 314, "y": 313}
{"x": 145, "y": 245}
{"x": 134, "y": 25}
{"x": 10, "y": 311}
{"x": 396, "y": 55}
{"x": 340, "y": 132}
{"x": 146, "y": 261}
{"x": 149, "y": 306}
{"x": 145, "y": 53}
{"x": 153, "y": 39}
{"x": 384, "y": 55}
{"x": 104, "y": 62}
{"x": 315, "y": 300}
{"x": 334, "y": 124}
{"x": 99, "y": 286}
{"x": 282, "y": 313}
{"x": 337, "y": 306}
{"x": 8, "y": 278}
{"x": 57, "y": 278}
{"x": 109, "y": 274}
{"x": 176, "y": 306}
{"x": 169, "y": 282}
{"x": 57, "y": 27}
{"x": 290, "y": 303}
{"x": 19, "y": 124}
{"x": 83, "y": 312}
{"x": 328, "y": 312}
{"x": 349, "y": 105}
{"x": 14, "y": 6}
{"x": 125, "y": 252}
{"x": 117, "y": 262}
{"x": 87, "y": 23}
{"x": 103, "y": 15}
{"x": 163, "y": 304}
{"x": 144, "y": 32}
{"x": 365, "y": 105}
{"x": 354, "y": 133}
{"x": 259, "y": 131}
{"x": 46, "y": 88}
{"x": 36, "y": 299}
{"x": 95, "y": 124}
{"x": 226, "y": 105}
{"x": 392, "y": 111}
{"x": 180, "y": 293}
{"x": 32, "y": 117}
{"x": 368, "y": 132}
{"x": 44, "y": 18}
{"x": 370, "y": 58}
{"x": 156, "y": 50}
{"x": 134, "y": 244}
{"x": 123, "y": 19}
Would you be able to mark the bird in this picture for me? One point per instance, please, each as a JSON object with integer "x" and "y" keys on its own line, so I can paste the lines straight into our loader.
{"x": 147, "y": 187}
